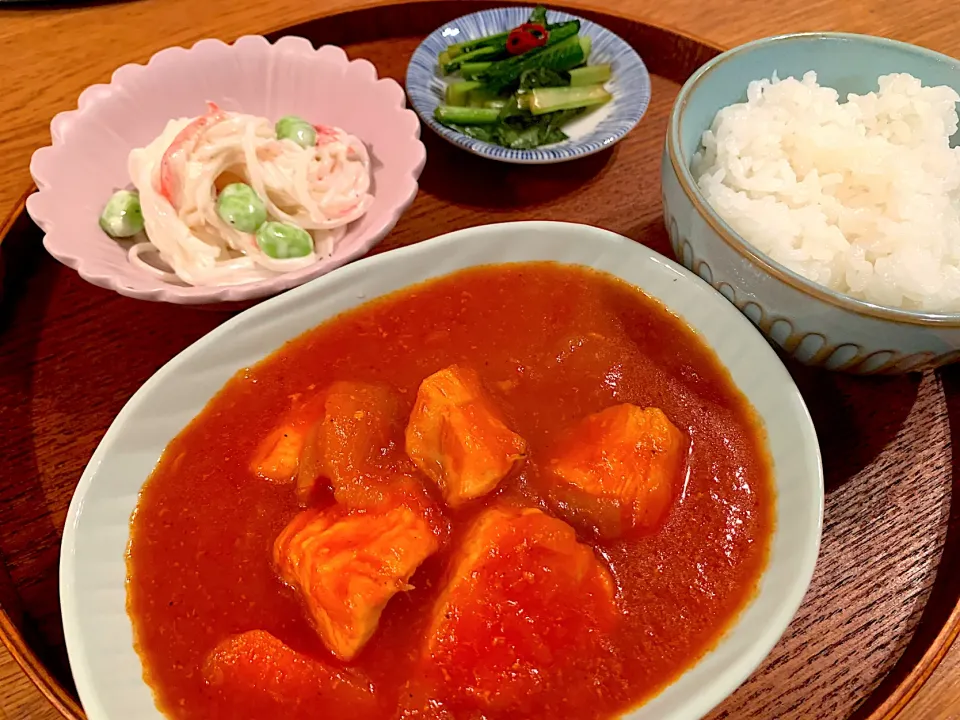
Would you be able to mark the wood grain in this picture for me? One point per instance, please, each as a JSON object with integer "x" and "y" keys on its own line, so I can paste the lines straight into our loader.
{"x": 72, "y": 354}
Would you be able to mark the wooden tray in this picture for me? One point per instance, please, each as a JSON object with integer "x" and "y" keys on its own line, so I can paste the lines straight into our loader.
{"x": 878, "y": 617}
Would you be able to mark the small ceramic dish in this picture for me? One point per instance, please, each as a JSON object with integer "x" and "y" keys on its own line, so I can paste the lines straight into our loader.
{"x": 595, "y": 131}
{"x": 815, "y": 325}
{"x": 87, "y": 161}
{"x": 93, "y": 570}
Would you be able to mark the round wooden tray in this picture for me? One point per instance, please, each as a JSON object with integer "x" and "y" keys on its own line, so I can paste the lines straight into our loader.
{"x": 878, "y": 616}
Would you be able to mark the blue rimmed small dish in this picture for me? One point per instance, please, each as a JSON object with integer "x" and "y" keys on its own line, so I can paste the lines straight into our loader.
{"x": 596, "y": 131}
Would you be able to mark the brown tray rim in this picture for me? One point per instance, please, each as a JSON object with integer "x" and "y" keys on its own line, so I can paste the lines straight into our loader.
{"x": 69, "y": 707}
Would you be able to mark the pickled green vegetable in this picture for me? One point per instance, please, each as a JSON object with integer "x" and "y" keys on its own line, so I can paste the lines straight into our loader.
{"x": 297, "y": 129}
{"x": 448, "y": 114}
{"x": 472, "y": 70}
{"x": 522, "y": 97}
{"x": 539, "y": 15}
{"x": 122, "y": 216}
{"x": 552, "y": 99}
{"x": 281, "y": 241}
{"x": 590, "y": 75}
{"x": 458, "y": 93}
{"x": 563, "y": 51}
{"x": 240, "y": 206}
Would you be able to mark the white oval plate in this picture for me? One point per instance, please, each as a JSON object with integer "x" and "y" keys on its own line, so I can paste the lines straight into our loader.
{"x": 98, "y": 632}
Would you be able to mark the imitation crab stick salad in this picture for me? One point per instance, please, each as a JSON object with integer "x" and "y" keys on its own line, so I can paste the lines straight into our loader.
{"x": 228, "y": 198}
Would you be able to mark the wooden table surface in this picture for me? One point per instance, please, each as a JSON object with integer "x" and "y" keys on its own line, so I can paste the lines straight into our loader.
{"x": 49, "y": 55}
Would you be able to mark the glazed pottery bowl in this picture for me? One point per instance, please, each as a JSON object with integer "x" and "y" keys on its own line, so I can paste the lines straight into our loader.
{"x": 87, "y": 160}
{"x": 811, "y": 323}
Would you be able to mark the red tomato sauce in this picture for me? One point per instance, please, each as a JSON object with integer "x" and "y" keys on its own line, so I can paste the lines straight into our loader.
{"x": 552, "y": 344}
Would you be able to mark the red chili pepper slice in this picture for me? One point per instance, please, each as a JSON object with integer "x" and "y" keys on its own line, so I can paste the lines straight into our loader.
{"x": 526, "y": 37}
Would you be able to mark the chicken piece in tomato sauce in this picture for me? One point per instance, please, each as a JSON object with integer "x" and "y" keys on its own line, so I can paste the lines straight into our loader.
{"x": 617, "y": 470}
{"x": 277, "y": 458}
{"x": 525, "y": 604}
{"x": 361, "y": 424}
{"x": 457, "y": 437}
{"x": 286, "y": 683}
{"x": 347, "y": 565}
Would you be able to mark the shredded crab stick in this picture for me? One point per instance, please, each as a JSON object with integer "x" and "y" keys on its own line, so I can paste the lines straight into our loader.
{"x": 228, "y": 198}
{"x": 174, "y": 161}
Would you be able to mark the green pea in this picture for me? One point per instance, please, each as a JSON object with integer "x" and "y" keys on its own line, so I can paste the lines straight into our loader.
{"x": 238, "y": 205}
{"x": 297, "y": 129}
{"x": 281, "y": 241}
{"x": 122, "y": 216}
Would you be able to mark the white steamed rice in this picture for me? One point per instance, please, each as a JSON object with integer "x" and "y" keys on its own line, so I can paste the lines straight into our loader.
{"x": 862, "y": 197}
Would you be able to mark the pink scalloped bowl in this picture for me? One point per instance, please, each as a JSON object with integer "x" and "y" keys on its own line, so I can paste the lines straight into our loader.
{"x": 88, "y": 158}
